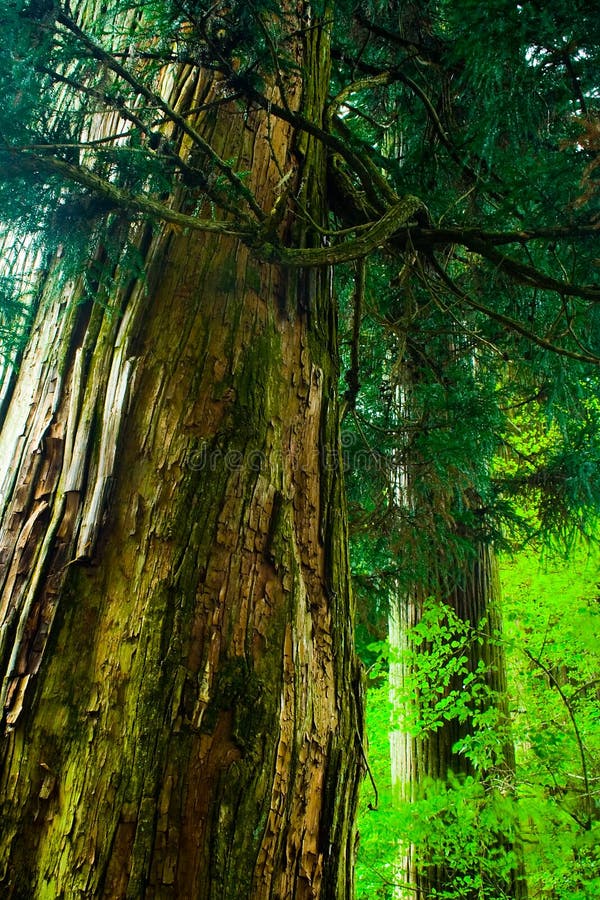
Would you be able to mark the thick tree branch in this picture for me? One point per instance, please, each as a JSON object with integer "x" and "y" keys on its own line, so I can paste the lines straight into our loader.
{"x": 456, "y": 235}
{"x": 21, "y": 161}
{"x": 484, "y": 244}
{"x": 362, "y": 84}
{"x": 257, "y": 237}
{"x": 376, "y": 236}
{"x": 529, "y": 275}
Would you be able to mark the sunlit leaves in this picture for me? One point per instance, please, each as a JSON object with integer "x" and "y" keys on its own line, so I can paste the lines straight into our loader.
{"x": 552, "y": 641}
{"x": 552, "y": 613}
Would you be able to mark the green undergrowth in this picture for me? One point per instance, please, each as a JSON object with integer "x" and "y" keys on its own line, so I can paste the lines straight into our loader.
{"x": 478, "y": 825}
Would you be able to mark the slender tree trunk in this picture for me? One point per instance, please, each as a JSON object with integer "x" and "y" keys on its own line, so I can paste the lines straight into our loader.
{"x": 470, "y": 587}
{"x": 432, "y": 755}
{"x": 180, "y": 694}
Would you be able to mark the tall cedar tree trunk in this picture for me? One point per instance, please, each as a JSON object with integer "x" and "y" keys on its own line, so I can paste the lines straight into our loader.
{"x": 417, "y": 760}
{"x": 472, "y": 590}
{"x": 181, "y": 700}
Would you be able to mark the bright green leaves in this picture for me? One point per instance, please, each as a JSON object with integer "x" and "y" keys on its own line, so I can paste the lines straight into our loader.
{"x": 552, "y": 624}
{"x": 378, "y": 828}
{"x": 550, "y": 807}
{"x": 439, "y": 685}
{"x": 469, "y": 830}
{"x": 447, "y": 680}
{"x": 551, "y": 463}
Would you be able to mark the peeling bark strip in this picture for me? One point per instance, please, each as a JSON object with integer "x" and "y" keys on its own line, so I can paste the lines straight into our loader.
{"x": 179, "y": 691}
{"x": 46, "y": 440}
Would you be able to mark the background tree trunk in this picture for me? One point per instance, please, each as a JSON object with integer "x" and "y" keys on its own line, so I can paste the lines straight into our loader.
{"x": 470, "y": 587}
{"x": 180, "y": 694}
{"x": 416, "y": 761}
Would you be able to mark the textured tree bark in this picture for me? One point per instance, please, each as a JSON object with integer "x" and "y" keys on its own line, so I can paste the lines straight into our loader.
{"x": 180, "y": 694}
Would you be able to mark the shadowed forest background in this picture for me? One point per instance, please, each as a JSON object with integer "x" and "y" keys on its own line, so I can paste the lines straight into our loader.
{"x": 299, "y": 450}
